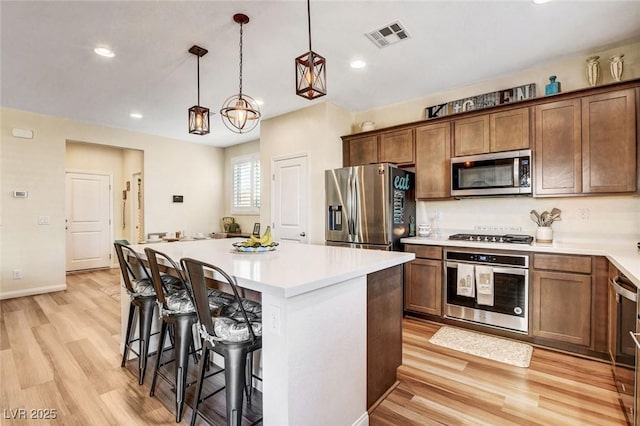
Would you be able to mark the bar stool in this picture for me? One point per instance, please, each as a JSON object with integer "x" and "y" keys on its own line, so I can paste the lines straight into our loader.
{"x": 139, "y": 285}
{"x": 233, "y": 331}
{"x": 178, "y": 315}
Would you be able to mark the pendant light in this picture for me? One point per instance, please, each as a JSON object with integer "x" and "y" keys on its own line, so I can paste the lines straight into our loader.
{"x": 198, "y": 115}
{"x": 240, "y": 113}
{"x": 311, "y": 77}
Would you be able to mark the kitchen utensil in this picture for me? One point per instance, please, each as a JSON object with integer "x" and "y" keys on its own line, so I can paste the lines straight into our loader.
{"x": 544, "y": 217}
{"x": 535, "y": 217}
{"x": 555, "y": 214}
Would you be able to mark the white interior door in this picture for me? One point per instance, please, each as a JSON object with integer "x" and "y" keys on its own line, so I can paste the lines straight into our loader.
{"x": 289, "y": 199}
{"x": 88, "y": 223}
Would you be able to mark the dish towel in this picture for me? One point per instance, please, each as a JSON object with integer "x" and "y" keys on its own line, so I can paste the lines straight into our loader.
{"x": 484, "y": 282}
{"x": 466, "y": 283}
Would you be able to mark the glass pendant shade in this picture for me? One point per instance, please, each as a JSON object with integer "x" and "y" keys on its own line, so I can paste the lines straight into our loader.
{"x": 198, "y": 115}
{"x": 240, "y": 113}
{"x": 311, "y": 76}
{"x": 198, "y": 120}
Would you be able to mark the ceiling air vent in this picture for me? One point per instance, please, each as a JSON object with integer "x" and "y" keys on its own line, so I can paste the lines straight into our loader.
{"x": 390, "y": 34}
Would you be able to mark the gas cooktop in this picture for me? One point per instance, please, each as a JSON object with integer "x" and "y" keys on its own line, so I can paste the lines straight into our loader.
{"x": 483, "y": 238}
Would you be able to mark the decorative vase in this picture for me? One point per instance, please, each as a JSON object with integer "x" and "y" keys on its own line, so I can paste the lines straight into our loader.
{"x": 593, "y": 70}
{"x": 553, "y": 86}
{"x": 616, "y": 66}
{"x": 544, "y": 234}
{"x": 365, "y": 126}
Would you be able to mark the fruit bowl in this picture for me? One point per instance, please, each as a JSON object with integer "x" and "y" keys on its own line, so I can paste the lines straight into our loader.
{"x": 255, "y": 248}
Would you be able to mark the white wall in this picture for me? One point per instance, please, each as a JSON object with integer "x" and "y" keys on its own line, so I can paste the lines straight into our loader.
{"x": 616, "y": 217}
{"x": 38, "y": 166}
{"x": 314, "y": 131}
{"x": 571, "y": 73}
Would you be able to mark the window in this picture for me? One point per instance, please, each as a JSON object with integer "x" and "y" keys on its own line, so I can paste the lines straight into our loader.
{"x": 246, "y": 185}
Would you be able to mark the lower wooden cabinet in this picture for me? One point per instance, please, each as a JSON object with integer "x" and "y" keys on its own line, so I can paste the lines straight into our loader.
{"x": 561, "y": 307}
{"x": 423, "y": 280}
{"x": 423, "y": 286}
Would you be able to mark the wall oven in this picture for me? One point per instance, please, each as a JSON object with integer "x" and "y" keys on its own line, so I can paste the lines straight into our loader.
{"x": 487, "y": 287}
{"x": 500, "y": 173}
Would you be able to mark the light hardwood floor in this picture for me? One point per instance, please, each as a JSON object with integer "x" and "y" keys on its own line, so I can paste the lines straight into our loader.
{"x": 439, "y": 386}
{"x": 60, "y": 351}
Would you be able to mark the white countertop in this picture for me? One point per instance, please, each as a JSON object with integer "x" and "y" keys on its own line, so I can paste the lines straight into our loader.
{"x": 292, "y": 269}
{"x": 620, "y": 250}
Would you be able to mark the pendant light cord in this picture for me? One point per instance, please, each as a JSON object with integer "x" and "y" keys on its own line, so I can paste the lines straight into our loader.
{"x": 309, "y": 23}
{"x": 198, "y": 81}
{"x": 240, "y": 96}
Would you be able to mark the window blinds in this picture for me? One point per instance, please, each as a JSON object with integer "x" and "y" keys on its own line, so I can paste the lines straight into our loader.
{"x": 246, "y": 185}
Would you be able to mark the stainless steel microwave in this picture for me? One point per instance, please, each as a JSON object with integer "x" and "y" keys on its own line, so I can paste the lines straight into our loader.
{"x": 499, "y": 173}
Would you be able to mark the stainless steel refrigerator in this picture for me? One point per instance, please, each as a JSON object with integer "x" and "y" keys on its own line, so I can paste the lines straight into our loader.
{"x": 370, "y": 206}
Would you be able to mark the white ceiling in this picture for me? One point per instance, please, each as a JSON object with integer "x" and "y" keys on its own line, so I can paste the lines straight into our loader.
{"x": 48, "y": 65}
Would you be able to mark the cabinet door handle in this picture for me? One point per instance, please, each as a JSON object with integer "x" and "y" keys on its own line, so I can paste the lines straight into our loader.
{"x": 635, "y": 338}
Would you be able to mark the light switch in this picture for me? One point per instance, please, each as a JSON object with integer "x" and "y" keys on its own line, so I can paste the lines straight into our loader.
{"x": 43, "y": 220}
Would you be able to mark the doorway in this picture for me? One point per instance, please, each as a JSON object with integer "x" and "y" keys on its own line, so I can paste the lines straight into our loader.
{"x": 289, "y": 203}
{"x": 88, "y": 221}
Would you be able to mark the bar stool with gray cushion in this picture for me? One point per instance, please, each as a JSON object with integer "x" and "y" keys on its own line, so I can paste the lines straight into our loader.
{"x": 138, "y": 283}
{"x": 232, "y": 331}
{"x": 178, "y": 313}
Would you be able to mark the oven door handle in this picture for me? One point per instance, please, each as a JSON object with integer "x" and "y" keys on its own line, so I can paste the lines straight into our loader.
{"x": 634, "y": 336}
{"x": 510, "y": 271}
{"x": 496, "y": 269}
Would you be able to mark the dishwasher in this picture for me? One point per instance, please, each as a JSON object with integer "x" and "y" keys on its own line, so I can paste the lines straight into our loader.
{"x": 624, "y": 345}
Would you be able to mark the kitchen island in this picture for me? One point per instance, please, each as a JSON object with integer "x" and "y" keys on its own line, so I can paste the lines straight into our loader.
{"x": 314, "y": 307}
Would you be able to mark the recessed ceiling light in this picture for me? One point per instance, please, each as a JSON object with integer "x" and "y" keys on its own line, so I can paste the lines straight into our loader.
{"x": 358, "y": 63}
{"x": 541, "y": 1}
{"x": 104, "y": 51}
{"x": 259, "y": 101}
{"x": 136, "y": 115}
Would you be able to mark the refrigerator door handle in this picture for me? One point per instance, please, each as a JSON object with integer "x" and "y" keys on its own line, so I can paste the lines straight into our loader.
{"x": 349, "y": 206}
{"x": 353, "y": 211}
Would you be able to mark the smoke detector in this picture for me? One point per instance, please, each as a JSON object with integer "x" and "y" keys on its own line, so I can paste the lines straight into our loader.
{"x": 390, "y": 34}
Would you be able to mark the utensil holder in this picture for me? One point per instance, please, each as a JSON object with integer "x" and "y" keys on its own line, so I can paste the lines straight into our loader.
{"x": 544, "y": 234}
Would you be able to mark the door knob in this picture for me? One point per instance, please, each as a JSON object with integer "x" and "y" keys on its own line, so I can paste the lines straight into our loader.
{"x": 302, "y": 234}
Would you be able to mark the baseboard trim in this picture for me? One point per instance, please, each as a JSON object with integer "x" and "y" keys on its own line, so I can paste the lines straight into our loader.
{"x": 363, "y": 420}
{"x": 32, "y": 291}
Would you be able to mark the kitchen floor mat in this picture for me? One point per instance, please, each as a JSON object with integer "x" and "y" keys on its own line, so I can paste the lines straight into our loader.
{"x": 494, "y": 348}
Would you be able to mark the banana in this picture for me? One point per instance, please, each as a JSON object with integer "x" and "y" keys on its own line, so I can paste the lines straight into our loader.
{"x": 264, "y": 241}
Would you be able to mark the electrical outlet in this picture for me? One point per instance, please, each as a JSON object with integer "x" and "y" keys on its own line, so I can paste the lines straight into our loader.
{"x": 583, "y": 215}
{"x": 438, "y": 215}
{"x": 43, "y": 220}
{"x": 17, "y": 274}
{"x": 275, "y": 319}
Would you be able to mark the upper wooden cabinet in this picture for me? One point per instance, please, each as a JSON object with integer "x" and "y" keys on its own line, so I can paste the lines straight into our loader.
{"x": 360, "y": 150}
{"x": 609, "y": 142}
{"x": 471, "y": 136}
{"x": 388, "y": 147}
{"x": 433, "y": 161}
{"x": 501, "y": 131}
{"x": 586, "y": 145}
{"x": 557, "y": 148}
{"x": 396, "y": 147}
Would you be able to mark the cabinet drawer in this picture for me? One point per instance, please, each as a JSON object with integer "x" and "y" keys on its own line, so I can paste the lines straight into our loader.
{"x": 428, "y": 252}
{"x": 557, "y": 262}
